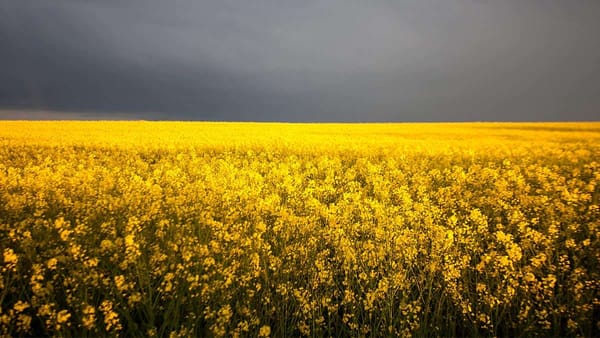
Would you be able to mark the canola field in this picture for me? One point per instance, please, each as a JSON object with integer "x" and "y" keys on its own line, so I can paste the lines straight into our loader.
{"x": 172, "y": 229}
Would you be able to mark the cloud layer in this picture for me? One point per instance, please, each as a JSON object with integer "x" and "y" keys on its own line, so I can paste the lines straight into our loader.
{"x": 334, "y": 60}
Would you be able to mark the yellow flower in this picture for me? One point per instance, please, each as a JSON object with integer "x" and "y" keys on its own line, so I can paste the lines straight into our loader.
{"x": 111, "y": 318}
{"x": 64, "y": 234}
{"x": 504, "y": 261}
{"x": 514, "y": 252}
{"x": 265, "y": 331}
{"x": 91, "y": 263}
{"x": 120, "y": 283}
{"x": 23, "y": 323}
{"x": 10, "y": 259}
{"x": 450, "y": 235}
{"x": 134, "y": 298}
{"x": 89, "y": 317}
{"x": 106, "y": 245}
{"x": 20, "y": 306}
{"x": 529, "y": 277}
{"x": 63, "y": 316}
{"x": 152, "y": 332}
{"x": 129, "y": 240}
{"x": 51, "y": 264}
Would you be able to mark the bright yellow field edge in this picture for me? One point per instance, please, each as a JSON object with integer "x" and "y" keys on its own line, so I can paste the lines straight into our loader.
{"x": 297, "y": 136}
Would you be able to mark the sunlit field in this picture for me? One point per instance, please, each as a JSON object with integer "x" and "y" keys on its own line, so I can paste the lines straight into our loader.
{"x": 269, "y": 229}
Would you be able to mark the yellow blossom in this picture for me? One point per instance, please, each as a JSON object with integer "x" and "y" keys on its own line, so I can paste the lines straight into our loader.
{"x": 51, "y": 263}
{"x": 10, "y": 258}
{"x": 265, "y": 331}
{"x": 63, "y": 316}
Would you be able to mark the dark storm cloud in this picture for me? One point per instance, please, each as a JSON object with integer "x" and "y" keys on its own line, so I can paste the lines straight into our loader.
{"x": 336, "y": 60}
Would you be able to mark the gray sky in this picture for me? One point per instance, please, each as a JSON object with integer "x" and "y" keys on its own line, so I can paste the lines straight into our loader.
{"x": 328, "y": 60}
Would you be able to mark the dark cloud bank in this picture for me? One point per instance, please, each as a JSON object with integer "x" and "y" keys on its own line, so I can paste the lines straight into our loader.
{"x": 328, "y": 60}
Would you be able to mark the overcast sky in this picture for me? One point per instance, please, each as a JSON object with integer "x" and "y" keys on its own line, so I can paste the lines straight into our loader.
{"x": 328, "y": 60}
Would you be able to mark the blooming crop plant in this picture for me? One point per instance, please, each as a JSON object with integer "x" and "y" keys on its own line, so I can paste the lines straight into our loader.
{"x": 249, "y": 229}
